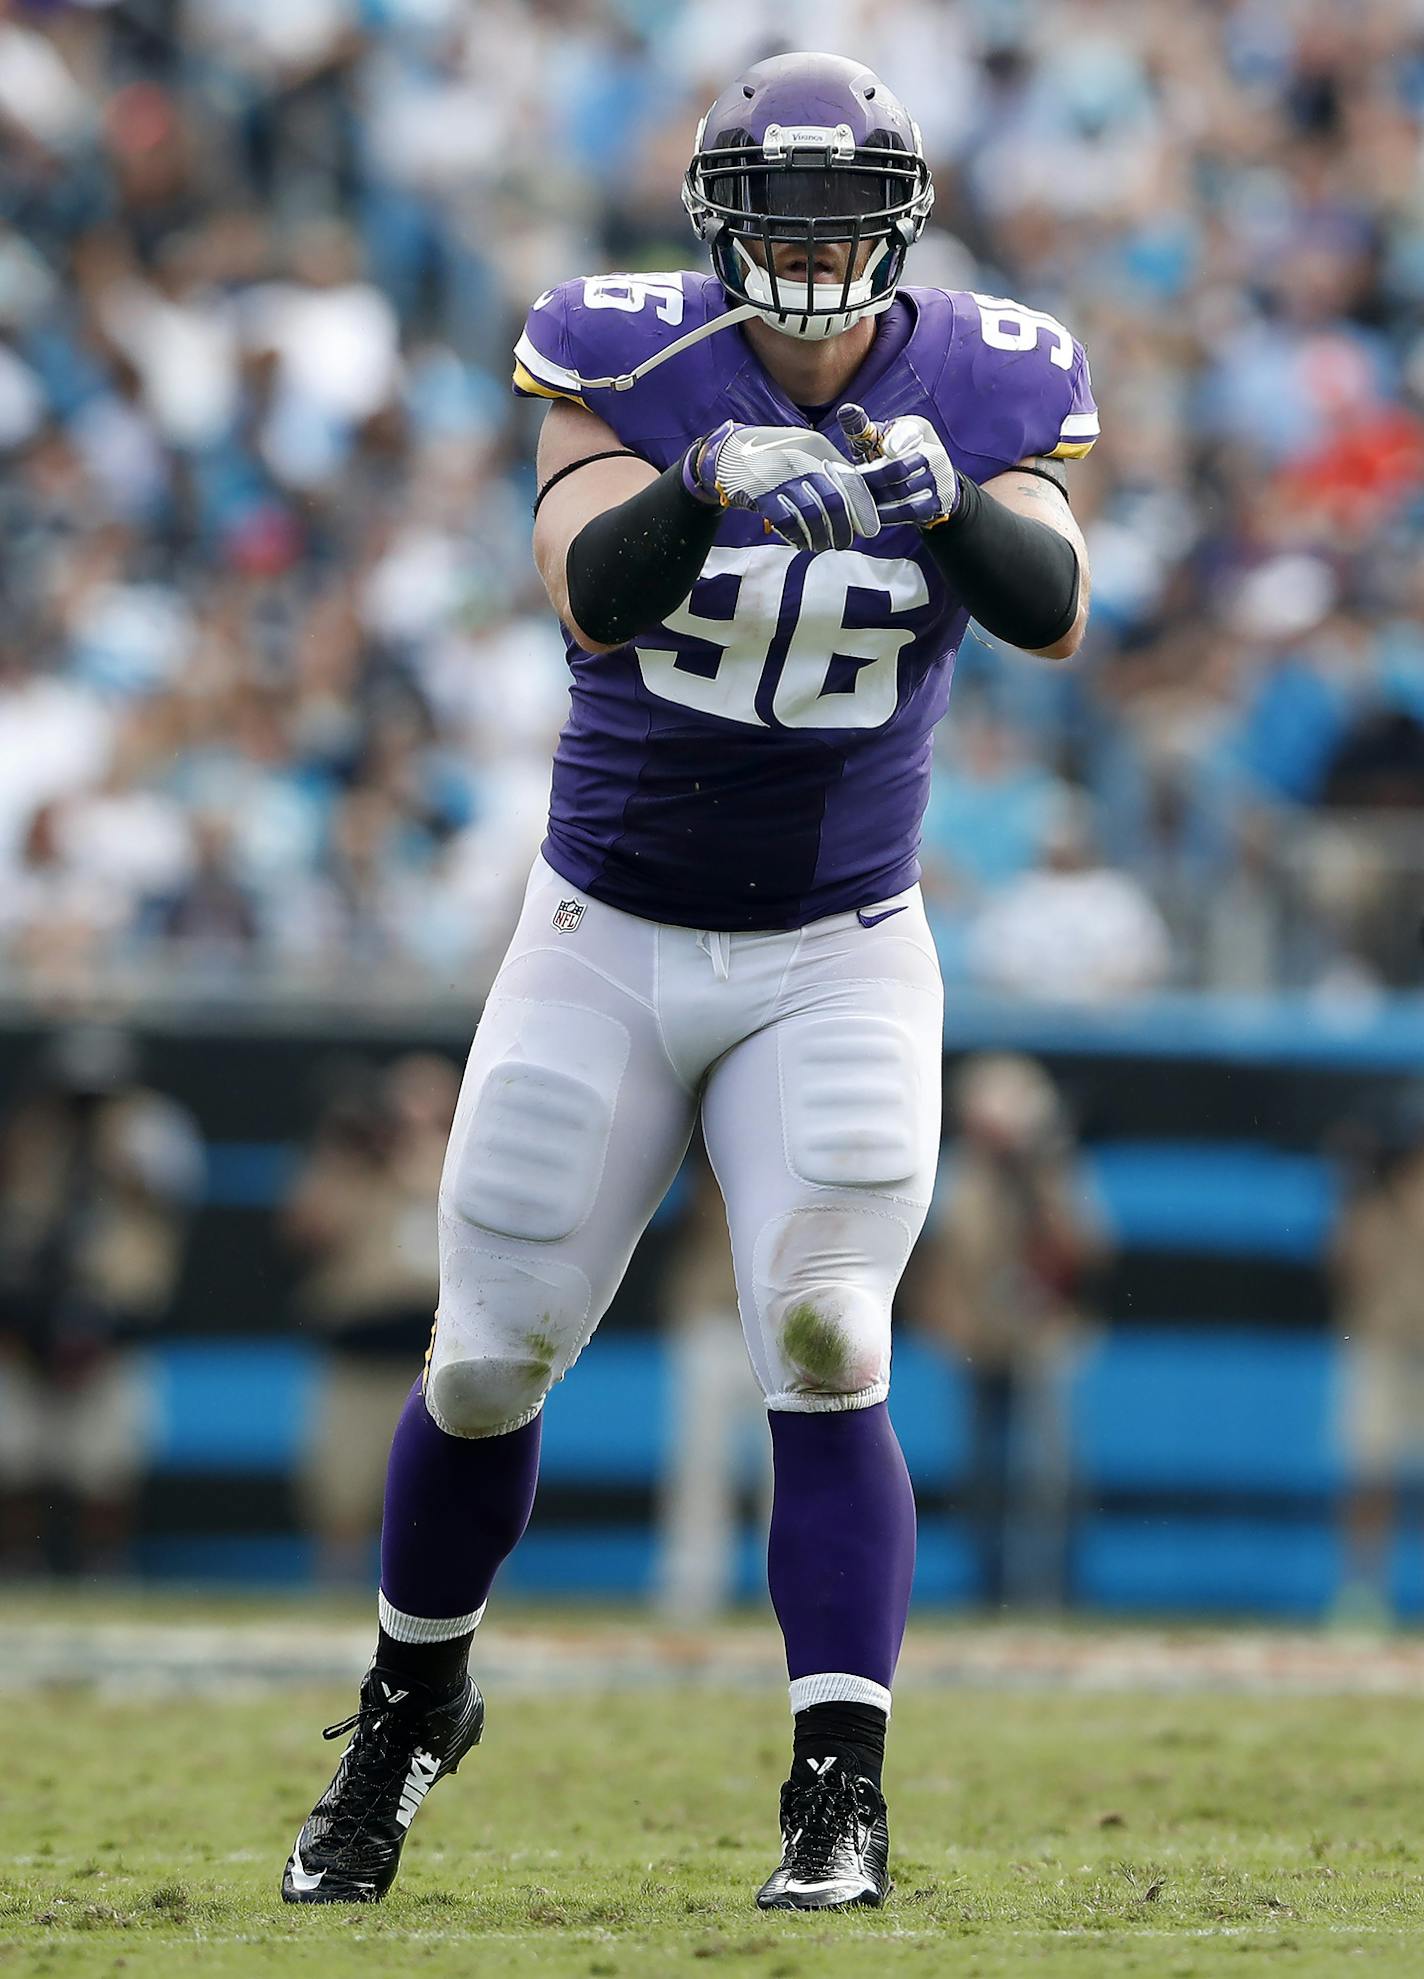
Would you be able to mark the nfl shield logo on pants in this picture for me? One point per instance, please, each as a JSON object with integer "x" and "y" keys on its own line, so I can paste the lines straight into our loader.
{"x": 567, "y": 915}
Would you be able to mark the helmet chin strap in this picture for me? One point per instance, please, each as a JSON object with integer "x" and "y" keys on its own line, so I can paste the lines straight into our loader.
{"x": 820, "y": 318}
{"x": 790, "y": 322}
{"x": 626, "y": 382}
{"x": 809, "y": 329}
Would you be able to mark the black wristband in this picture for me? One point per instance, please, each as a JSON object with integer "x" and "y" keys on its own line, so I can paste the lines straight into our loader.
{"x": 1018, "y": 577}
{"x": 630, "y": 566}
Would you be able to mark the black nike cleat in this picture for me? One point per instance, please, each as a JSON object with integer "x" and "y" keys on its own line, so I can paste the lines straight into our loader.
{"x": 835, "y": 1845}
{"x": 349, "y": 1848}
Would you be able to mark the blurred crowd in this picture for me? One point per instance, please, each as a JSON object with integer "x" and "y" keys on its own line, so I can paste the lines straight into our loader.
{"x": 99, "y": 1178}
{"x": 277, "y": 683}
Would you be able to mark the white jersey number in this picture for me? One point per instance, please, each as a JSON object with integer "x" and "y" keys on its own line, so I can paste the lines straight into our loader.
{"x": 1007, "y": 325}
{"x": 631, "y": 293}
{"x": 726, "y": 683}
{"x": 738, "y": 647}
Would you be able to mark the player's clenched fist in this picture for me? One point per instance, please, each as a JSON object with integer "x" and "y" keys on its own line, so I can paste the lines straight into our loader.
{"x": 796, "y": 480}
{"x": 906, "y": 468}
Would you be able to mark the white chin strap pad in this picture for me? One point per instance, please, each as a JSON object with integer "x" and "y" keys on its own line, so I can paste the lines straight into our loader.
{"x": 819, "y": 296}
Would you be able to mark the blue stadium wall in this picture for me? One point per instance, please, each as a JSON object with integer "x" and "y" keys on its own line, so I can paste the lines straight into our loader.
{"x": 1208, "y": 1471}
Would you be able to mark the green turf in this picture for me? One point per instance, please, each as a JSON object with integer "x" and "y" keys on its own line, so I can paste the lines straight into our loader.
{"x": 1033, "y": 1834}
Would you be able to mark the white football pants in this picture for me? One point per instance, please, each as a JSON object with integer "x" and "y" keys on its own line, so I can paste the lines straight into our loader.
{"x": 814, "y": 1057}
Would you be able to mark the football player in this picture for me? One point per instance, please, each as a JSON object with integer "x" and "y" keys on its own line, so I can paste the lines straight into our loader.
{"x": 770, "y": 500}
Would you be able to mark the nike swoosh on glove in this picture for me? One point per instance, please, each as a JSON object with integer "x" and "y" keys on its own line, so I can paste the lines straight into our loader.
{"x": 806, "y": 491}
{"x": 909, "y": 474}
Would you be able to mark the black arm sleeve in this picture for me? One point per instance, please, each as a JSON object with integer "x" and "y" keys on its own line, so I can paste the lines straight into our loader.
{"x": 630, "y": 566}
{"x": 1018, "y": 577}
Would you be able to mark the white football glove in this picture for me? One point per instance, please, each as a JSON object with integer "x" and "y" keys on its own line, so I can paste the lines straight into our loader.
{"x": 905, "y": 467}
{"x": 796, "y": 480}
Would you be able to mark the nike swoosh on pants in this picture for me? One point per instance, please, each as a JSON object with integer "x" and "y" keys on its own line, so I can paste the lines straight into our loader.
{"x": 874, "y": 920}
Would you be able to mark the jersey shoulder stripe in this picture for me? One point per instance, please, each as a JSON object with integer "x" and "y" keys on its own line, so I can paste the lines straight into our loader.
{"x": 537, "y": 376}
{"x": 1013, "y": 383}
{"x": 590, "y": 339}
{"x": 1077, "y": 436}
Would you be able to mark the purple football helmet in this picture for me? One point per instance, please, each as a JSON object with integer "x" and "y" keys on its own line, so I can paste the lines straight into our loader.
{"x": 811, "y": 149}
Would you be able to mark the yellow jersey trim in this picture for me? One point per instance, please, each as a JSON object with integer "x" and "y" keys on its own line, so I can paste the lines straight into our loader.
{"x": 526, "y": 382}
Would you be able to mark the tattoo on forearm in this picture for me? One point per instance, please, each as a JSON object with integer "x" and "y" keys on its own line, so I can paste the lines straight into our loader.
{"x": 1048, "y": 470}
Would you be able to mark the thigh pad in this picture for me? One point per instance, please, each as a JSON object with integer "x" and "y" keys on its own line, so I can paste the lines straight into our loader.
{"x": 531, "y": 1157}
{"x": 851, "y": 1100}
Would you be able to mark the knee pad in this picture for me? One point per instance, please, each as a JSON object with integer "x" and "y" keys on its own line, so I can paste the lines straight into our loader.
{"x": 527, "y": 1159}
{"x": 824, "y": 1282}
{"x": 487, "y": 1397}
{"x": 833, "y": 1341}
{"x": 508, "y": 1328}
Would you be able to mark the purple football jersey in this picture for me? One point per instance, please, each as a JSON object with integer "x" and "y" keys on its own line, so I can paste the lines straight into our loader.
{"x": 762, "y": 757}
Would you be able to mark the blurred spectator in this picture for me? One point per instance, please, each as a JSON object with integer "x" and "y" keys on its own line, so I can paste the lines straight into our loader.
{"x": 98, "y": 1175}
{"x": 211, "y": 912}
{"x": 1073, "y": 929}
{"x": 717, "y": 1440}
{"x": 261, "y": 266}
{"x": 362, "y": 1216}
{"x": 1379, "y": 1316}
{"x": 1004, "y": 1275}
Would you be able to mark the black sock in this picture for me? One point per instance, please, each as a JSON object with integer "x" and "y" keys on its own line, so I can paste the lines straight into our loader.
{"x": 438, "y": 1666}
{"x": 853, "y": 1734}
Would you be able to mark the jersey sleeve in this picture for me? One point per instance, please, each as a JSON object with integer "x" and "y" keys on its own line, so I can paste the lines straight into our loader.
{"x": 543, "y": 358}
{"x": 584, "y": 339}
{"x": 1015, "y": 384}
{"x": 1078, "y": 428}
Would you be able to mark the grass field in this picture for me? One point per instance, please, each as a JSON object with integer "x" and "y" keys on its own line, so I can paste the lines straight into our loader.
{"x": 614, "y": 1833}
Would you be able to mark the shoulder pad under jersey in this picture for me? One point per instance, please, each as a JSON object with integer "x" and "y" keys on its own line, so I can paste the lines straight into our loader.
{"x": 1014, "y": 384}
{"x": 584, "y": 336}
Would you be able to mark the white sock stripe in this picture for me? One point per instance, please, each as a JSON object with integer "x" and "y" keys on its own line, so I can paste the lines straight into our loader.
{"x": 424, "y": 1628}
{"x": 837, "y": 1687}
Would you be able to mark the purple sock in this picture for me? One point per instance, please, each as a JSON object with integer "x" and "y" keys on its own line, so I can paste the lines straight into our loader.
{"x": 842, "y": 1552}
{"x": 456, "y": 1508}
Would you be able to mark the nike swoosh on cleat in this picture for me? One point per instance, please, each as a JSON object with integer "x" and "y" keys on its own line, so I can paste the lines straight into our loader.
{"x": 874, "y": 920}
{"x": 815, "y": 1889}
{"x": 304, "y": 1879}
